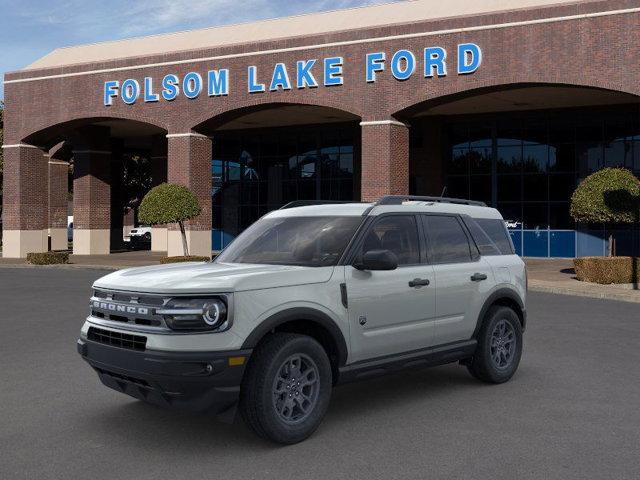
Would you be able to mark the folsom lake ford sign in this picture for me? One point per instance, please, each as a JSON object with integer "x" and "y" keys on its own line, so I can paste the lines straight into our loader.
{"x": 309, "y": 73}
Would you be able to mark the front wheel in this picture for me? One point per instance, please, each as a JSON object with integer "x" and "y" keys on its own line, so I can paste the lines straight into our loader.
{"x": 499, "y": 346}
{"x": 286, "y": 390}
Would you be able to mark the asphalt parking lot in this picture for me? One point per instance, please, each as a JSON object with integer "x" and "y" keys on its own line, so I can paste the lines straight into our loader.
{"x": 570, "y": 412}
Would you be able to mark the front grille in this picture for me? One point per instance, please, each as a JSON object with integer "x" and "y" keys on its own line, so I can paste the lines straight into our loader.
{"x": 129, "y": 308}
{"x": 117, "y": 339}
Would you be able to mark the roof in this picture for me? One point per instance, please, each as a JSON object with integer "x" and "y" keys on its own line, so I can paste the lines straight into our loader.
{"x": 279, "y": 28}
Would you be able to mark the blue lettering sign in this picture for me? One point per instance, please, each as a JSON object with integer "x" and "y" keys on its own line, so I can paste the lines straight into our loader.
{"x": 280, "y": 78}
{"x": 434, "y": 59}
{"x": 130, "y": 91}
{"x": 304, "y": 77}
{"x": 333, "y": 71}
{"x": 170, "y": 87}
{"x": 254, "y": 87}
{"x": 192, "y": 85}
{"x": 149, "y": 96}
{"x": 218, "y": 82}
{"x": 110, "y": 92}
{"x": 403, "y": 64}
{"x": 375, "y": 63}
{"x": 469, "y": 58}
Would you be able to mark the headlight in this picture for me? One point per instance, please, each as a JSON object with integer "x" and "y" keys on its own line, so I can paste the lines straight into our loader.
{"x": 196, "y": 314}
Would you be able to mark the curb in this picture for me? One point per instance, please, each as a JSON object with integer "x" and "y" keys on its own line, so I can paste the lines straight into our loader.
{"x": 64, "y": 266}
{"x": 620, "y": 297}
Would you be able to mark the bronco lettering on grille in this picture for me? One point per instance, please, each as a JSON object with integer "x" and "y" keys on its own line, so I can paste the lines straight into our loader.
{"x": 114, "y": 307}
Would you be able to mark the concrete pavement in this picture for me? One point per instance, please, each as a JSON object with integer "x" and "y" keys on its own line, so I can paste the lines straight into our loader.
{"x": 569, "y": 413}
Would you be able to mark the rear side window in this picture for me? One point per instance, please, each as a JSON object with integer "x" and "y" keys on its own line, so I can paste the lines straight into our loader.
{"x": 484, "y": 243}
{"x": 496, "y": 229}
{"x": 448, "y": 243}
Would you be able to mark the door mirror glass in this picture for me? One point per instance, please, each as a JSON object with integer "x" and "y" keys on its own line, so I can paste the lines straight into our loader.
{"x": 378, "y": 260}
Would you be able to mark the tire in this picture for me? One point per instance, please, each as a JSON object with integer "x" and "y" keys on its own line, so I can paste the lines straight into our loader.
{"x": 276, "y": 405}
{"x": 495, "y": 359}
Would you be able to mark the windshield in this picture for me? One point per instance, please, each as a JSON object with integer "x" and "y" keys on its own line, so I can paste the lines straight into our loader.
{"x": 303, "y": 241}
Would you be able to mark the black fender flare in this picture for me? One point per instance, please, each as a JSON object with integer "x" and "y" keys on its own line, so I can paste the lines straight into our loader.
{"x": 297, "y": 314}
{"x": 495, "y": 297}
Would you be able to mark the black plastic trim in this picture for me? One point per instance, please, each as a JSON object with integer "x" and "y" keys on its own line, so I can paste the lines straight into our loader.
{"x": 296, "y": 314}
{"x": 431, "y": 356}
{"x": 195, "y": 381}
{"x": 493, "y": 298}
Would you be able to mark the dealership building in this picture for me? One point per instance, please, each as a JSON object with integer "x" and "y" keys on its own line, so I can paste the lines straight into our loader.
{"x": 511, "y": 102}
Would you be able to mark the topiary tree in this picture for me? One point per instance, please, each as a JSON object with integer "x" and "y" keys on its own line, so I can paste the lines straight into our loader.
{"x": 170, "y": 203}
{"x": 611, "y": 195}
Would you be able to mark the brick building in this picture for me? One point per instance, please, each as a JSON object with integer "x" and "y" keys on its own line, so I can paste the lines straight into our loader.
{"x": 507, "y": 101}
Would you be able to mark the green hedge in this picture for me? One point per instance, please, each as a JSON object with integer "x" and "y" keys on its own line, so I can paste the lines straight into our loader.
{"x": 610, "y": 195}
{"x": 607, "y": 270}
{"x": 48, "y": 258}
{"x": 190, "y": 258}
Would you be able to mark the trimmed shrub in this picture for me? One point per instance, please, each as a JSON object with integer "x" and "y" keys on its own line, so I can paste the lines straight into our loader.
{"x": 48, "y": 258}
{"x": 611, "y": 195}
{"x": 607, "y": 270}
{"x": 189, "y": 258}
{"x": 170, "y": 203}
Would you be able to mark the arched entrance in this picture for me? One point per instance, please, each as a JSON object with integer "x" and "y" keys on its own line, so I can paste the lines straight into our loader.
{"x": 523, "y": 149}
{"x": 113, "y": 163}
{"x": 266, "y": 156}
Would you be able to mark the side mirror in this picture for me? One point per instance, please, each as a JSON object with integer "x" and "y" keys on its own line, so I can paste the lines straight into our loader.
{"x": 377, "y": 260}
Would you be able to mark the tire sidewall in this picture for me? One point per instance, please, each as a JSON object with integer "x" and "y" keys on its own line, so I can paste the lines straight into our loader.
{"x": 272, "y": 423}
{"x": 496, "y": 374}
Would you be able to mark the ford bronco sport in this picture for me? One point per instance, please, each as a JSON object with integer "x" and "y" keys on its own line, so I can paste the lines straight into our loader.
{"x": 308, "y": 297}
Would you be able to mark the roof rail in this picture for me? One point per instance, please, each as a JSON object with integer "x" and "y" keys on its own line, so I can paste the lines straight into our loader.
{"x": 306, "y": 203}
{"x": 398, "y": 199}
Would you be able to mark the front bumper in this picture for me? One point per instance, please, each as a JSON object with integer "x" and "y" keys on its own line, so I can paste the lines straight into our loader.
{"x": 195, "y": 381}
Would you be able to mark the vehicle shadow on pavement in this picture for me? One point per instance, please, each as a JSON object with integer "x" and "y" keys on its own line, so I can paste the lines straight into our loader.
{"x": 166, "y": 429}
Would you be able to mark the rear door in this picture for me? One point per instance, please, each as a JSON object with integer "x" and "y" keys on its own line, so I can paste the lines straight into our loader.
{"x": 391, "y": 311}
{"x": 462, "y": 277}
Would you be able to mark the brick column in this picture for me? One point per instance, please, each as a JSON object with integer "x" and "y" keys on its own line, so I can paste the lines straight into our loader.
{"x": 58, "y": 191}
{"x": 189, "y": 164}
{"x": 25, "y": 212}
{"x": 385, "y": 159}
{"x": 158, "y": 175}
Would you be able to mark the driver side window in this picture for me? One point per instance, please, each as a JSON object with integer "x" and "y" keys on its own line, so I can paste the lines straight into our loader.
{"x": 396, "y": 233}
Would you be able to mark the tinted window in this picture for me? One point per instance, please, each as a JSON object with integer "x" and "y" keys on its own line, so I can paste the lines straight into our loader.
{"x": 484, "y": 243}
{"x": 497, "y": 232}
{"x": 304, "y": 241}
{"x": 447, "y": 240}
{"x": 397, "y": 234}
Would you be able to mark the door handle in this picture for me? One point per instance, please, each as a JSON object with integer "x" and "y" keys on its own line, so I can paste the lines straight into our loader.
{"x": 419, "y": 282}
{"x": 477, "y": 277}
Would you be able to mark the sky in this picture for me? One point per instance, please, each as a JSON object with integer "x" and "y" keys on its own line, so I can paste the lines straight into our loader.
{"x": 29, "y": 29}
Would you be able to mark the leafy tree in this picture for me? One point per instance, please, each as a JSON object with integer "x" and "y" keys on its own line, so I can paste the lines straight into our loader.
{"x": 611, "y": 195}
{"x": 136, "y": 180}
{"x": 170, "y": 203}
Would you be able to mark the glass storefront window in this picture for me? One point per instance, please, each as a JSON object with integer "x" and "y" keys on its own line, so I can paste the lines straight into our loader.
{"x": 538, "y": 159}
{"x": 255, "y": 171}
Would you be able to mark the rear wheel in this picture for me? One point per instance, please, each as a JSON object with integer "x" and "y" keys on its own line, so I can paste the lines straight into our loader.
{"x": 499, "y": 346}
{"x": 286, "y": 390}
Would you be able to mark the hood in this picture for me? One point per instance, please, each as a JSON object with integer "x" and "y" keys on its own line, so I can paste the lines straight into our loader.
{"x": 211, "y": 277}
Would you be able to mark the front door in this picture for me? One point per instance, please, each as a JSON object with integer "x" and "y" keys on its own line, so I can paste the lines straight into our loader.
{"x": 391, "y": 311}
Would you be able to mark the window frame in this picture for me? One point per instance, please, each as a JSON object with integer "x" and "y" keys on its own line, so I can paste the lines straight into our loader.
{"x": 355, "y": 247}
{"x": 474, "y": 252}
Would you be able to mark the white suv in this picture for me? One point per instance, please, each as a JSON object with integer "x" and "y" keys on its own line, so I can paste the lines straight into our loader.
{"x": 308, "y": 297}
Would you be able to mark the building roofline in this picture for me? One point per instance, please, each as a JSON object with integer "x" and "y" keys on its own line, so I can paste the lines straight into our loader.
{"x": 283, "y": 28}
